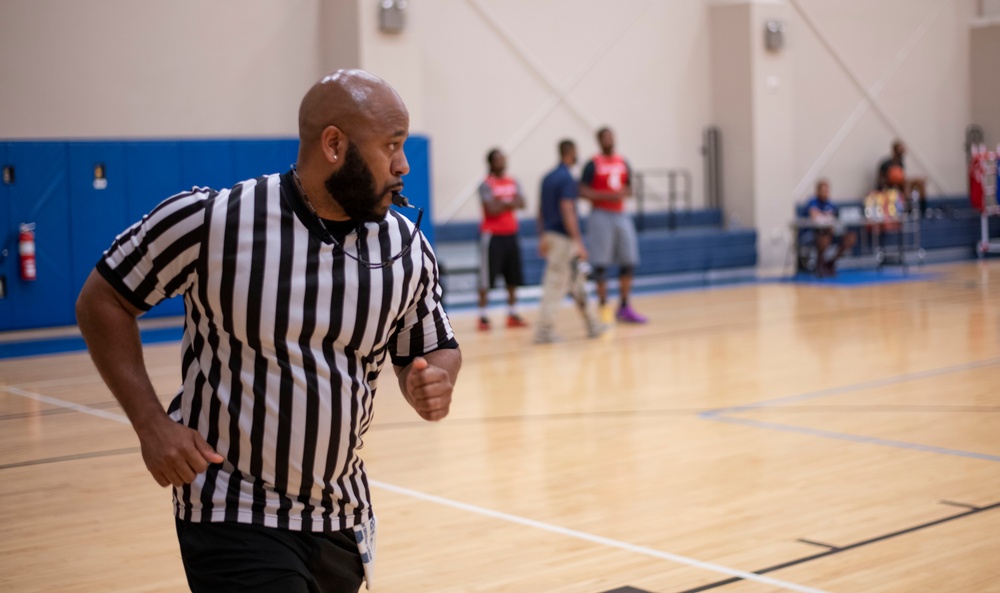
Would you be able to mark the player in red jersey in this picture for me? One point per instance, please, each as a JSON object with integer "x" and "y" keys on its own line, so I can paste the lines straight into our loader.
{"x": 500, "y": 252}
{"x": 607, "y": 183}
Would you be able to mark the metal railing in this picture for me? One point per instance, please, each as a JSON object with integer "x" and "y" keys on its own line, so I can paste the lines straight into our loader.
{"x": 658, "y": 186}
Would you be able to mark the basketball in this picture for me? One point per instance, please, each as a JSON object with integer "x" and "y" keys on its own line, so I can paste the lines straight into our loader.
{"x": 895, "y": 175}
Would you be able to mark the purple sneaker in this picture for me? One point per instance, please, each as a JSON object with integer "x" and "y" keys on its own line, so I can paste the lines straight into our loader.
{"x": 628, "y": 315}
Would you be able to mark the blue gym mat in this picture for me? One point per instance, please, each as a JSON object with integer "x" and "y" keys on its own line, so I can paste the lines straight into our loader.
{"x": 860, "y": 277}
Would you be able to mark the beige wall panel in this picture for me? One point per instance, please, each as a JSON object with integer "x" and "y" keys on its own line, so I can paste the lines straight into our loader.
{"x": 478, "y": 95}
{"x": 653, "y": 88}
{"x": 395, "y": 57}
{"x": 119, "y": 68}
{"x": 338, "y": 37}
{"x": 825, "y": 99}
{"x": 985, "y": 81}
{"x": 732, "y": 108}
{"x": 773, "y": 138}
{"x": 919, "y": 63}
{"x": 136, "y": 69}
{"x": 869, "y": 34}
{"x": 490, "y": 70}
{"x": 929, "y": 97}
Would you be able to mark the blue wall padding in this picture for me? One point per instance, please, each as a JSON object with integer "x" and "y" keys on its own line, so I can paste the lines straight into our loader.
{"x": 91, "y": 207}
{"x": 76, "y": 222}
{"x": 154, "y": 173}
{"x": 207, "y": 163}
{"x": 253, "y": 158}
{"x": 40, "y": 194}
{"x": 417, "y": 184}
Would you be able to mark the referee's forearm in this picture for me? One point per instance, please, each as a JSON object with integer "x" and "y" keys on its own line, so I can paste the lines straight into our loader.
{"x": 449, "y": 359}
{"x": 112, "y": 336}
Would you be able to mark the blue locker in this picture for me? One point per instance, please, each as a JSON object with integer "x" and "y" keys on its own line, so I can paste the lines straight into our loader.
{"x": 98, "y": 208}
{"x": 417, "y": 184}
{"x": 154, "y": 174}
{"x": 40, "y": 195}
{"x": 253, "y": 158}
{"x": 8, "y": 247}
{"x": 207, "y": 163}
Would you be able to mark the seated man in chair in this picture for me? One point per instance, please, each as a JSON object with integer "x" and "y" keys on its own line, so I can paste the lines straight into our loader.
{"x": 824, "y": 215}
{"x": 892, "y": 175}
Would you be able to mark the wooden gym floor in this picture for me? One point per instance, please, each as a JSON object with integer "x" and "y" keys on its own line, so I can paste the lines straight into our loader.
{"x": 763, "y": 437}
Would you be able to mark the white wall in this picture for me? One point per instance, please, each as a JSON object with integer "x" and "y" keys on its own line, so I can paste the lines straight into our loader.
{"x": 523, "y": 74}
{"x": 519, "y": 74}
{"x": 733, "y": 108}
{"x": 493, "y": 72}
{"x": 136, "y": 68}
{"x": 911, "y": 57}
{"x": 985, "y": 81}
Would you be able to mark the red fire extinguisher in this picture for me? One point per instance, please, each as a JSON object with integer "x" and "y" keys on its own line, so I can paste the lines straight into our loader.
{"x": 26, "y": 249}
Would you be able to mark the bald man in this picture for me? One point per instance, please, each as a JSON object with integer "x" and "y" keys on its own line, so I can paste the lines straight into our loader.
{"x": 297, "y": 288}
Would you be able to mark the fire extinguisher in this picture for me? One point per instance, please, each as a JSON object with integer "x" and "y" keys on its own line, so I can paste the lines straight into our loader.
{"x": 26, "y": 249}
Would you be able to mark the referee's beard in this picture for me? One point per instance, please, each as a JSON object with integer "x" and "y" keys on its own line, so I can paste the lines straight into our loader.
{"x": 353, "y": 187}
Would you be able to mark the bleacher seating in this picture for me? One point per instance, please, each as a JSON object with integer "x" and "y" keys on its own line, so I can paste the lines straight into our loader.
{"x": 670, "y": 244}
{"x": 951, "y": 229}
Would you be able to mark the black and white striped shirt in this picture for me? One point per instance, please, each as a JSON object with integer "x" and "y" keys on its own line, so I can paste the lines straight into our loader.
{"x": 283, "y": 342}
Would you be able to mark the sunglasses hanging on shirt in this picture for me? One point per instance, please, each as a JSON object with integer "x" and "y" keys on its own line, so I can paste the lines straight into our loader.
{"x": 398, "y": 200}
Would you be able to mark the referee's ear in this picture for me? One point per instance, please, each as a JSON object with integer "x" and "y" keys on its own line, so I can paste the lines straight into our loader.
{"x": 333, "y": 143}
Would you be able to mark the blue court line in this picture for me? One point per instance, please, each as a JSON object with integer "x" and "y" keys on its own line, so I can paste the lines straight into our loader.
{"x": 720, "y": 414}
{"x": 854, "y": 438}
{"x": 855, "y": 387}
{"x": 76, "y": 343}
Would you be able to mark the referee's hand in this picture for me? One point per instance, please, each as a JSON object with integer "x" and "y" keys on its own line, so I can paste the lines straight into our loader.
{"x": 428, "y": 389}
{"x": 175, "y": 454}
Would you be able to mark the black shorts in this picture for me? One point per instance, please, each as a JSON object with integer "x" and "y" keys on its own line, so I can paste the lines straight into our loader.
{"x": 500, "y": 256}
{"x": 223, "y": 557}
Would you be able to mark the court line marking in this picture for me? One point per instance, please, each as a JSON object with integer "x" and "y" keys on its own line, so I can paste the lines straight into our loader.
{"x": 486, "y": 512}
{"x": 597, "y": 539}
{"x": 839, "y": 549}
{"x": 722, "y": 414}
{"x": 843, "y": 436}
{"x": 977, "y": 364}
{"x": 55, "y": 401}
{"x": 74, "y": 457}
{"x": 153, "y": 372}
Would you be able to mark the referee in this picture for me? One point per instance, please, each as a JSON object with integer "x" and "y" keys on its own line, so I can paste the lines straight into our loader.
{"x": 297, "y": 288}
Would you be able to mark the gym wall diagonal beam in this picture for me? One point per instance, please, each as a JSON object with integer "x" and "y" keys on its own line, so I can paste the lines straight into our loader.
{"x": 870, "y": 96}
{"x": 558, "y": 93}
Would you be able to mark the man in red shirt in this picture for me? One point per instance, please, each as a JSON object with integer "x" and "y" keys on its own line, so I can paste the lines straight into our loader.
{"x": 500, "y": 252}
{"x": 607, "y": 183}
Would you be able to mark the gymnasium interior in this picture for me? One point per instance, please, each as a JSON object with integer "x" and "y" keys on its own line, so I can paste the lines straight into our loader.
{"x": 769, "y": 429}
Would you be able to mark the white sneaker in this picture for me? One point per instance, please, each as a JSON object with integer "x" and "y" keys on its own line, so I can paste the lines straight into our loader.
{"x": 546, "y": 337}
{"x": 596, "y": 330}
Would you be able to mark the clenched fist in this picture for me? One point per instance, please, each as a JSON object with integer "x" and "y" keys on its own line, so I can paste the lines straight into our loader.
{"x": 428, "y": 389}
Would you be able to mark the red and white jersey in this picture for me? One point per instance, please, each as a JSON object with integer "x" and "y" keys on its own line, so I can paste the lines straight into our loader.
{"x": 504, "y": 189}
{"x": 608, "y": 173}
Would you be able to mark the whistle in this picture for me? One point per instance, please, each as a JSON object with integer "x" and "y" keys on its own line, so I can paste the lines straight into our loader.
{"x": 400, "y": 200}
